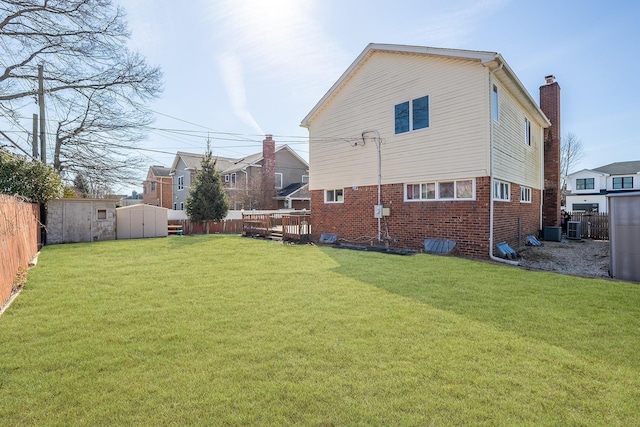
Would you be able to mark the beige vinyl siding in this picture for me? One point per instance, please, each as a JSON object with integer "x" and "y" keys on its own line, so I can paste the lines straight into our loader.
{"x": 454, "y": 146}
{"x": 515, "y": 161}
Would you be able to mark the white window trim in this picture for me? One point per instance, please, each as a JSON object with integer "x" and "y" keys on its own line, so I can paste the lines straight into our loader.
{"x": 305, "y": 179}
{"x": 437, "y": 189}
{"x": 334, "y": 190}
{"x": 180, "y": 180}
{"x": 181, "y": 206}
{"x": 281, "y": 180}
{"x": 495, "y": 192}
{"x": 525, "y": 195}
{"x": 226, "y": 177}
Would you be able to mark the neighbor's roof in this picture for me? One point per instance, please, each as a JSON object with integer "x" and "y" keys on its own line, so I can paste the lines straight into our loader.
{"x": 193, "y": 161}
{"x": 620, "y": 168}
{"x": 226, "y": 164}
{"x": 492, "y": 60}
{"x": 160, "y": 170}
{"x": 290, "y": 189}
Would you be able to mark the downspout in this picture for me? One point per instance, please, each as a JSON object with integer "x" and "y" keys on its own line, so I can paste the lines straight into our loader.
{"x": 491, "y": 195}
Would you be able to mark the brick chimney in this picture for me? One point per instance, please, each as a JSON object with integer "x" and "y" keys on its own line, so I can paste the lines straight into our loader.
{"x": 550, "y": 106}
{"x": 269, "y": 172}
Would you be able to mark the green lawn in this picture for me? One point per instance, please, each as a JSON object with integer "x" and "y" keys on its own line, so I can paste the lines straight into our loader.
{"x": 221, "y": 330}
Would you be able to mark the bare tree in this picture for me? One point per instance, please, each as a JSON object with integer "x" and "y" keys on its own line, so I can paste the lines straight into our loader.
{"x": 97, "y": 87}
{"x": 571, "y": 151}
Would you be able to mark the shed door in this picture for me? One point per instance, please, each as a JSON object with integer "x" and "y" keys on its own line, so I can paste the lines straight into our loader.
{"x": 149, "y": 223}
{"x": 76, "y": 223}
{"x": 137, "y": 223}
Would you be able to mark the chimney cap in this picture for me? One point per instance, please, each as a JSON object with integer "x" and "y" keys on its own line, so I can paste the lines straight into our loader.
{"x": 550, "y": 79}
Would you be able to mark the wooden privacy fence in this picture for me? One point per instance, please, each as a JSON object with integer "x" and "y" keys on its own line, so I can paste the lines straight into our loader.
{"x": 19, "y": 240}
{"x": 593, "y": 225}
{"x": 227, "y": 226}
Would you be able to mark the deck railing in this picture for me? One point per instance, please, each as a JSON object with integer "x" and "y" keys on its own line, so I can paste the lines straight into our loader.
{"x": 292, "y": 226}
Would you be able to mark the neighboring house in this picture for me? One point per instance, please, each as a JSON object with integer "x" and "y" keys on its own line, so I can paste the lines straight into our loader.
{"x": 157, "y": 187}
{"x": 131, "y": 200}
{"x": 264, "y": 180}
{"x": 416, "y": 142}
{"x": 587, "y": 189}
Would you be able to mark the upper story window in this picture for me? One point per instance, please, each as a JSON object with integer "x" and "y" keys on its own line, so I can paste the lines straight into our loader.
{"x": 622, "y": 182}
{"x": 226, "y": 178}
{"x": 525, "y": 195}
{"x": 412, "y": 115}
{"x": 494, "y": 104}
{"x": 501, "y": 191}
{"x": 180, "y": 182}
{"x": 278, "y": 180}
{"x": 233, "y": 179}
{"x": 153, "y": 186}
{"x": 585, "y": 184}
{"x": 334, "y": 196}
{"x": 527, "y": 131}
{"x": 441, "y": 190}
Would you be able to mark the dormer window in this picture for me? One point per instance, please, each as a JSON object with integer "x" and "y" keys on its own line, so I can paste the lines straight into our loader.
{"x": 622, "y": 182}
{"x": 585, "y": 184}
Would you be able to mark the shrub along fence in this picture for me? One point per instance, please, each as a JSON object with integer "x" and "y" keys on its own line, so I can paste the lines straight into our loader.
{"x": 19, "y": 240}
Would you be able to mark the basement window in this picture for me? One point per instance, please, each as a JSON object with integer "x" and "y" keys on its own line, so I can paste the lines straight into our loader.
{"x": 440, "y": 190}
{"x": 501, "y": 191}
{"x": 334, "y": 196}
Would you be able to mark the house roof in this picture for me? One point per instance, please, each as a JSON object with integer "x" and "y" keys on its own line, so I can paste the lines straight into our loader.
{"x": 160, "y": 170}
{"x": 296, "y": 188}
{"x": 620, "y": 168}
{"x": 226, "y": 165}
{"x": 301, "y": 193}
{"x": 491, "y": 60}
{"x": 193, "y": 161}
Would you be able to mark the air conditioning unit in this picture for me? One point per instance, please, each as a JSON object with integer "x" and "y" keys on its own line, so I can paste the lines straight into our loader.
{"x": 573, "y": 230}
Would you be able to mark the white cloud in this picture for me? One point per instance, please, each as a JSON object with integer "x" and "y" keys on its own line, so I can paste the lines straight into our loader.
{"x": 279, "y": 40}
{"x": 233, "y": 78}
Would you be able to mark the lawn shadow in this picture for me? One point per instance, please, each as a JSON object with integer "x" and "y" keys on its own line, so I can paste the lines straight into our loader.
{"x": 595, "y": 317}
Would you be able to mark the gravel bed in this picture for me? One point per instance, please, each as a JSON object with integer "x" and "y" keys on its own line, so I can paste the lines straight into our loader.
{"x": 586, "y": 257}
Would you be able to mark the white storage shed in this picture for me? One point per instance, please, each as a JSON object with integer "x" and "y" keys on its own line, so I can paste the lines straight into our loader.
{"x": 141, "y": 221}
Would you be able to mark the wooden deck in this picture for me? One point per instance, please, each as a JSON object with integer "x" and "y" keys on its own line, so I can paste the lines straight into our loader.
{"x": 289, "y": 227}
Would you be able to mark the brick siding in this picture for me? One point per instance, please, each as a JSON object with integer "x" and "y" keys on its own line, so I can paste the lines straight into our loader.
{"x": 466, "y": 222}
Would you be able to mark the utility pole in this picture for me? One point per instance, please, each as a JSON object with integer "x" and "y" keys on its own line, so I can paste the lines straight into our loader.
{"x": 34, "y": 138}
{"x": 43, "y": 142}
